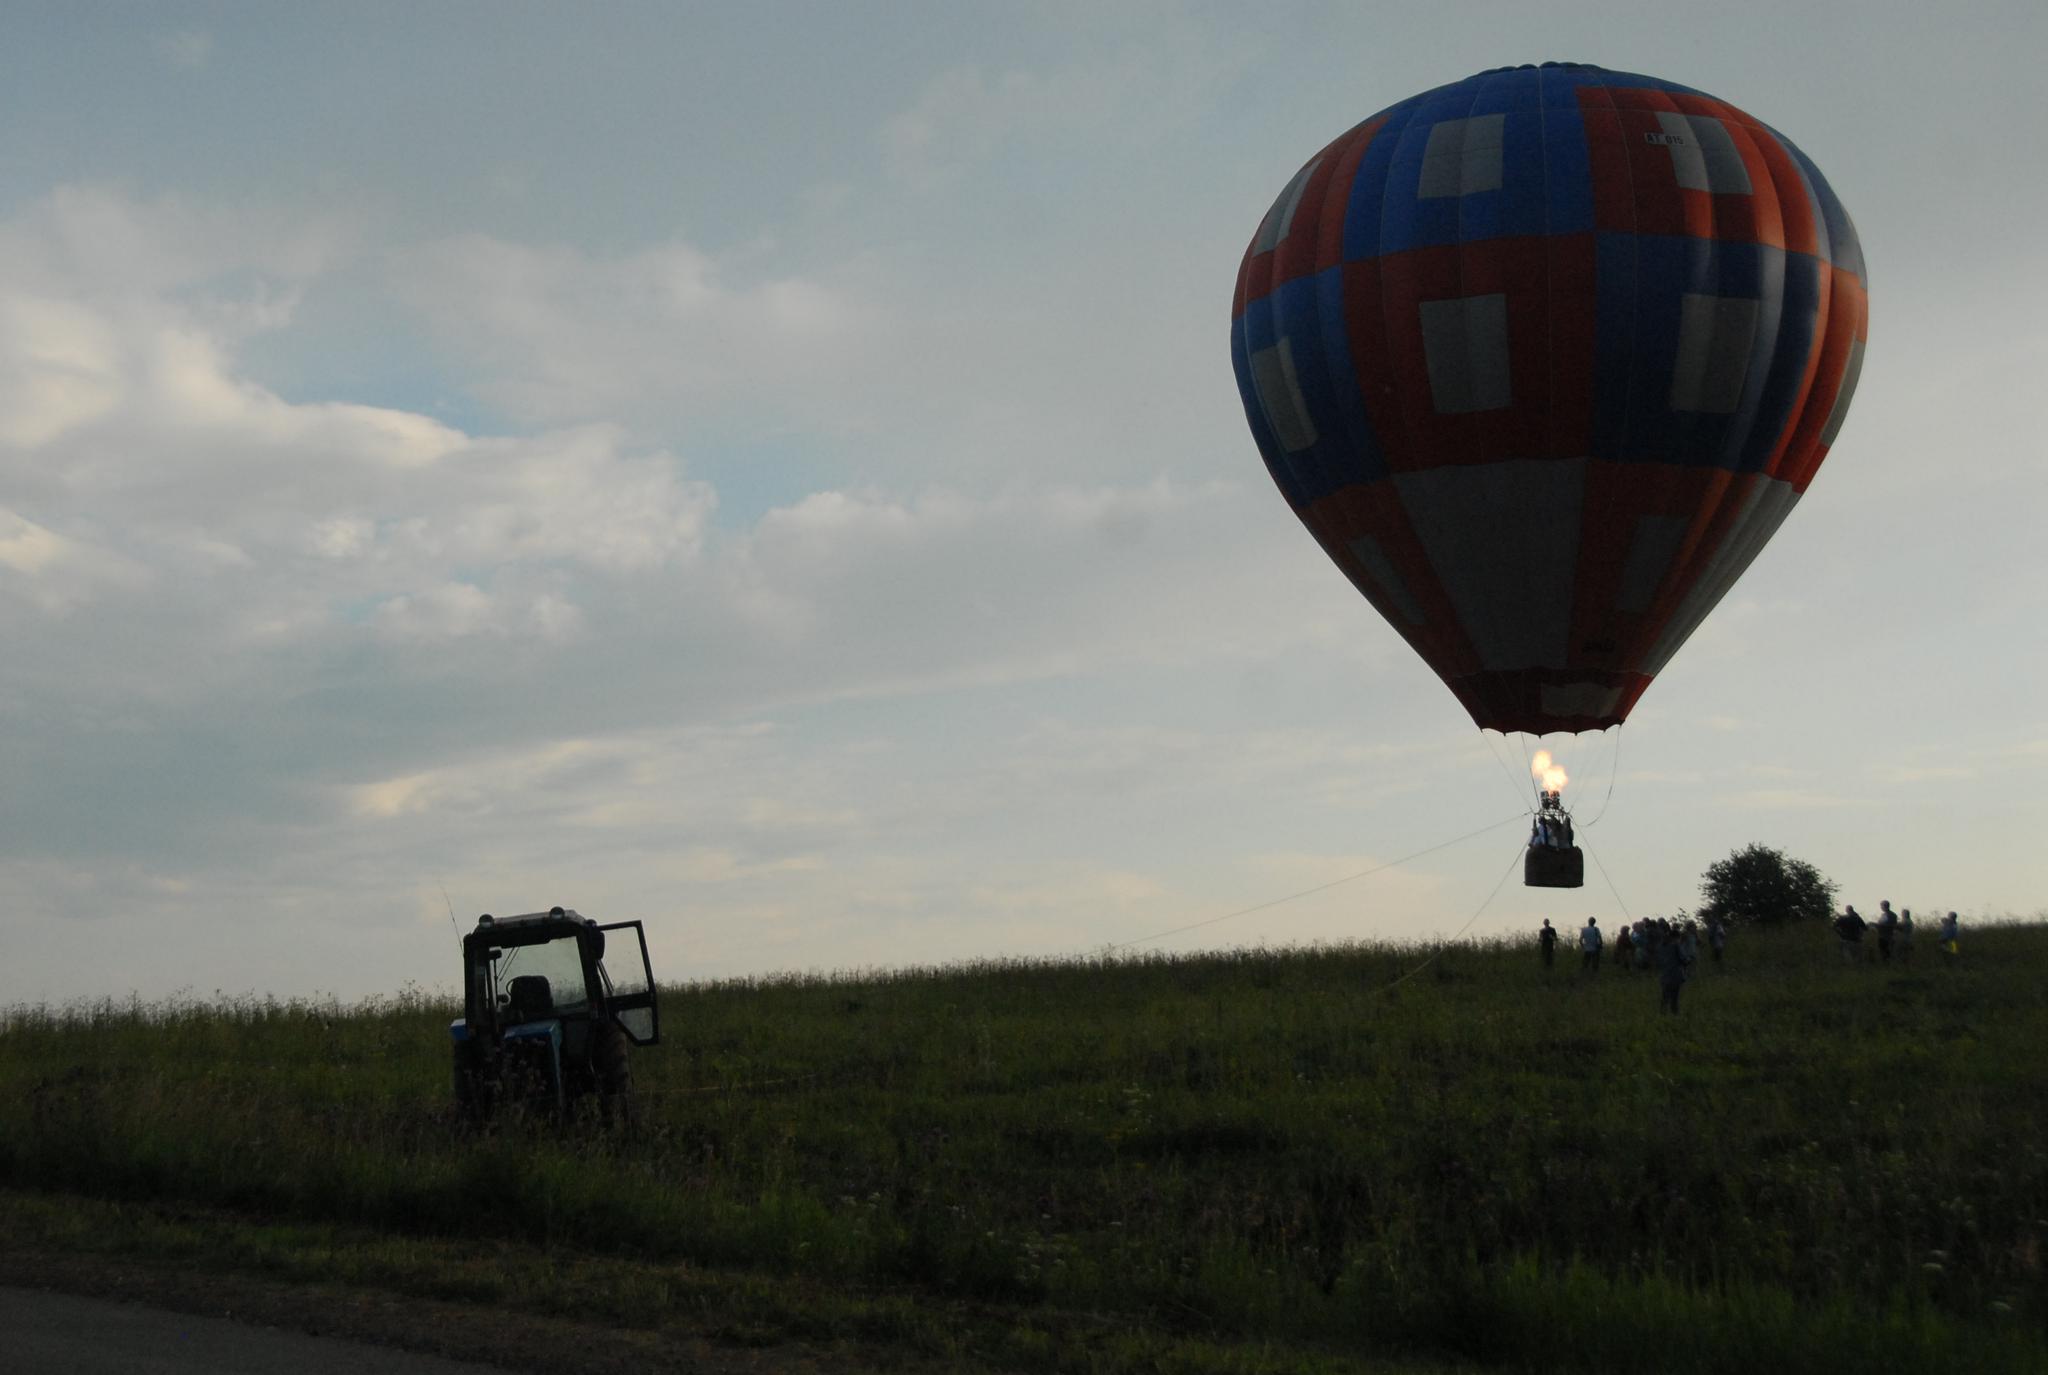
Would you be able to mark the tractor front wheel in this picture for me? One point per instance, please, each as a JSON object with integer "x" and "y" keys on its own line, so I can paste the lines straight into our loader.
{"x": 470, "y": 1104}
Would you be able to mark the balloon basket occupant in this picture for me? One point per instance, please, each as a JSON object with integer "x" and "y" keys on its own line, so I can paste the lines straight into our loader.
{"x": 1552, "y": 860}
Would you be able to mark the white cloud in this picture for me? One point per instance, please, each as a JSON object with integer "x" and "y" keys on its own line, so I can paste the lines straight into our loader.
{"x": 456, "y": 610}
{"x": 27, "y": 547}
{"x": 558, "y": 334}
{"x": 130, "y": 426}
{"x": 102, "y": 244}
{"x": 1125, "y": 100}
{"x": 1799, "y": 799}
{"x": 187, "y": 48}
{"x": 59, "y": 368}
{"x": 1905, "y": 774}
{"x": 55, "y": 573}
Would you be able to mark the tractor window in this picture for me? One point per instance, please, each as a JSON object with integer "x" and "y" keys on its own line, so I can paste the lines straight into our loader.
{"x": 628, "y": 975}
{"x": 545, "y": 980}
{"x": 631, "y": 981}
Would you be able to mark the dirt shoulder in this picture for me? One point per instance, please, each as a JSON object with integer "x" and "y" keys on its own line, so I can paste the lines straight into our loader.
{"x": 488, "y": 1303}
{"x": 488, "y": 1336}
{"x": 523, "y": 1308}
{"x": 83, "y": 1335}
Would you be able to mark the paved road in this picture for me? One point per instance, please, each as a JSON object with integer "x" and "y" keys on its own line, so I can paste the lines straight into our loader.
{"x": 60, "y": 1334}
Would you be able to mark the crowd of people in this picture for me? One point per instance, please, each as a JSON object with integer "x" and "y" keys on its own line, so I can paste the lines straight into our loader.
{"x": 1671, "y": 949}
{"x": 1894, "y": 934}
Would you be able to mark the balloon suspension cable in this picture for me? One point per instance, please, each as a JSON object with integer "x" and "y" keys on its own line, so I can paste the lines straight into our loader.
{"x": 1506, "y": 769}
{"x": 1319, "y": 888}
{"x": 1529, "y": 767}
{"x": 1574, "y": 788}
{"x": 1610, "y": 883}
{"x": 1575, "y": 783}
{"x": 1613, "y": 772}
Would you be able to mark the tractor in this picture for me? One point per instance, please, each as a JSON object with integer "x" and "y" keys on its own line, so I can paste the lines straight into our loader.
{"x": 546, "y": 1023}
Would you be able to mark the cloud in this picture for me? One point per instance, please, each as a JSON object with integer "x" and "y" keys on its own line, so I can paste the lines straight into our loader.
{"x": 557, "y": 335}
{"x": 131, "y": 426}
{"x": 101, "y": 245}
{"x": 27, "y": 547}
{"x": 1906, "y": 774}
{"x": 188, "y": 48}
{"x": 61, "y": 368}
{"x": 864, "y": 594}
{"x": 1799, "y": 799}
{"x": 52, "y": 572}
{"x": 1127, "y": 99}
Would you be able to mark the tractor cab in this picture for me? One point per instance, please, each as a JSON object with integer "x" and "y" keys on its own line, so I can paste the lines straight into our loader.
{"x": 1552, "y": 860}
{"x": 546, "y": 1017}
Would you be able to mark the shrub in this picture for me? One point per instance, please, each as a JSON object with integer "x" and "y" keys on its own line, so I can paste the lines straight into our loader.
{"x": 1757, "y": 883}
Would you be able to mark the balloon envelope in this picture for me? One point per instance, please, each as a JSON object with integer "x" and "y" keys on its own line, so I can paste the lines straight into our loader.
{"x": 1542, "y": 358}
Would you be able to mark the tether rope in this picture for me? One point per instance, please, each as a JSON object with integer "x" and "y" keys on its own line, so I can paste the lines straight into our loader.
{"x": 1610, "y": 883}
{"x": 1435, "y": 954}
{"x": 729, "y": 1088}
{"x": 1319, "y": 888}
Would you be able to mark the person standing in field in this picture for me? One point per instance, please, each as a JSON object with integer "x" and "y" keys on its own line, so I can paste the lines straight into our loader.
{"x": 1905, "y": 935}
{"x": 1887, "y": 929}
{"x": 1589, "y": 946}
{"x": 1717, "y": 937}
{"x": 1951, "y": 929}
{"x": 1674, "y": 967}
{"x": 1547, "y": 938}
{"x": 1624, "y": 949}
{"x": 1849, "y": 926}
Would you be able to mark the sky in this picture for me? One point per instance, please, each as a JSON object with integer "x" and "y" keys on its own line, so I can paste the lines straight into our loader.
{"x": 775, "y": 472}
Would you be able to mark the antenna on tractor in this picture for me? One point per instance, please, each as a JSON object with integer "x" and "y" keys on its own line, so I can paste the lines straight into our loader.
{"x": 453, "y": 924}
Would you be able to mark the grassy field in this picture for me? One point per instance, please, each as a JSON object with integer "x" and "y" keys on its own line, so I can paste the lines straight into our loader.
{"x": 1258, "y": 1160}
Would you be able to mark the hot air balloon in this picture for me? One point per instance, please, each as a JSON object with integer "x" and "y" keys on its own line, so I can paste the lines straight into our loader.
{"x": 1542, "y": 358}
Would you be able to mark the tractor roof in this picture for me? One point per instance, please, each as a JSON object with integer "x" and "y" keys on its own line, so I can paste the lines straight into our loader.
{"x": 557, "y": 914}
{"x": 527, "y": 927}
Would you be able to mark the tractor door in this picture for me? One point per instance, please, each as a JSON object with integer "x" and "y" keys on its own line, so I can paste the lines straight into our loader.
{"x": 630, "y": 979}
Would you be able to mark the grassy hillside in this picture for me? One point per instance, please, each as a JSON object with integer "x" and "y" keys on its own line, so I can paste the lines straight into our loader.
{"x": 1255, "y": 1160}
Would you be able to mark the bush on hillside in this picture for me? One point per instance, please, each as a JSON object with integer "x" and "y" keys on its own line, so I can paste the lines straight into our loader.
{"x": 1757, "y": 883}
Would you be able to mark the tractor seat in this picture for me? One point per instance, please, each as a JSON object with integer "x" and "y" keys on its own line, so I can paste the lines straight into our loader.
{"x": 529, "y": 999}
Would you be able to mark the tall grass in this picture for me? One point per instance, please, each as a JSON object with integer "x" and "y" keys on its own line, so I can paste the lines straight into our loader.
{"x": 1487, "y": 1159}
